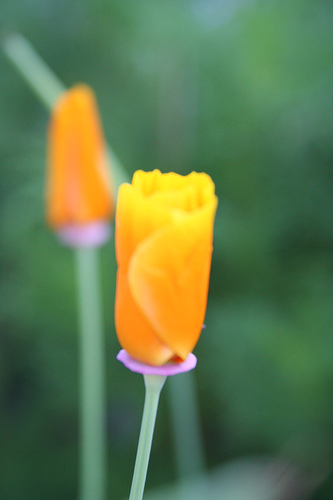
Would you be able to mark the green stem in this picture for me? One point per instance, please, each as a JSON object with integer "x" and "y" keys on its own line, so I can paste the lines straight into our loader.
{"x": 33, "y": 69}
{"x": 46, "y": 85}
{"x": 188, "y": 440}
{"x": 186, "y": 424}
{"x": 93, "y": 441}
{"x": 153, "y": 384}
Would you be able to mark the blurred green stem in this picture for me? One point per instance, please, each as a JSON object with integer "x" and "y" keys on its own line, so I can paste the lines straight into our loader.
{"x": 182, "y": 391}
{"x": 153, "y": 385}
{"x": 92, "y": 379}
{"x": 33, "y": 69}
{"x": 46, "y": 85}
{"x": 187, "y": 434}
{"x": 186, "y": 423}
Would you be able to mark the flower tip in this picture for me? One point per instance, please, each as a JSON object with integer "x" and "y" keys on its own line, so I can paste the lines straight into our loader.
{"x": 166, "y": 370}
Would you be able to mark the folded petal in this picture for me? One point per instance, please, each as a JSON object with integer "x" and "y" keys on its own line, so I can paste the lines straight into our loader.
{"x": 134, "y": 332}
{"x": 137, "y": 218}
{"x": 169, "y": 274}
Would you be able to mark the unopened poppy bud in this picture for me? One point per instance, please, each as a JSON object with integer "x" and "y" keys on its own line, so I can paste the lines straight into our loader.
{"x": 79, "y": 193}
{"x": 164, "y": 235}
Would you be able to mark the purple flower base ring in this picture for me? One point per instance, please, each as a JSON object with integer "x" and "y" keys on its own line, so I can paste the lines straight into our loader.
{"x": 164, "y": 370}
{"x": 93, "y": 234}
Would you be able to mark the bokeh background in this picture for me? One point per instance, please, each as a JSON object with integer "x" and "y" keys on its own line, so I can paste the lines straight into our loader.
{"x": 240, "y": 89}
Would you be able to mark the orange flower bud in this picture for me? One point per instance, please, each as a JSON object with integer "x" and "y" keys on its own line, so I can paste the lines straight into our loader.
{"x": 78, "y": 188}
{"x": 164, "y": 233}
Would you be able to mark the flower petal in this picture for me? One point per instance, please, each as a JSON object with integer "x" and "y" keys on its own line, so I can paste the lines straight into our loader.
{"x": 79, "y": 188}
{"x": 137, "y": 218}
{"x": 133, "y": 331}
{"x": 168, "y": 277}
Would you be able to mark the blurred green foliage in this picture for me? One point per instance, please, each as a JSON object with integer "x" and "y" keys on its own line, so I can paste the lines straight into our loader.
{"x": 243, "y": 91}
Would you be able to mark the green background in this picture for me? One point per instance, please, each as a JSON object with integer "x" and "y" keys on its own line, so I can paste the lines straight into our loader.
{"x": 243, "y": 91}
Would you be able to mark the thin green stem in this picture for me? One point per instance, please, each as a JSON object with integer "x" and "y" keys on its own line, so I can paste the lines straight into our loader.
{"x": 188, "y": 440}
{"x": 46, "y": 85}
{"x": 93, "y": 441}
{"x": 153, "y": 384}
{"x": 186, "y": 423}
{"x": 33, "y": 69}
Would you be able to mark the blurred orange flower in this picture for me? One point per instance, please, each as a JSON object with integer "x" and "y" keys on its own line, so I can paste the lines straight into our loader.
{"x": 164, "y": 233}
{"x": 78, "y": 186}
